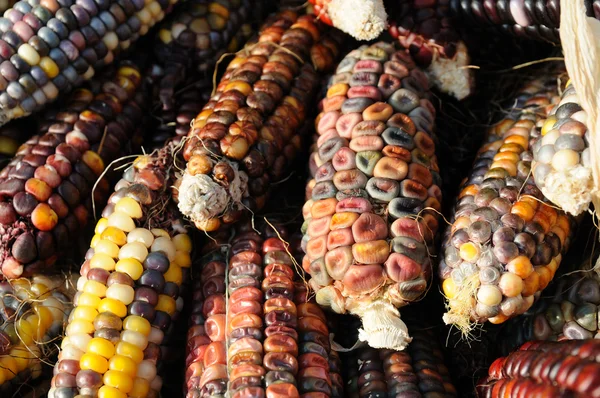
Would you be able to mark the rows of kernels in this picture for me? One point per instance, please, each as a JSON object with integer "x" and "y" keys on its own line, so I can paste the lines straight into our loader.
{"x": 315, "y": 360}
{"x": 46, "y": 192}
{"x": 543, "y": 368}
{"x": 375, "y": 171}
{"x": 245, "y": 317}
{"x": 371, "y": 376}
{"x": 253, "y": 118}
{"x": 126, "y": 297}
{"x": 281, "y": 359}
{"x": 47, "y": 49}
{"x": 34, "y": 311}
{"x": 562, "y": 152}
{"x": 420, "y": 369}
{"x": 206, "y": 361}
{"x": 505, "y": 242}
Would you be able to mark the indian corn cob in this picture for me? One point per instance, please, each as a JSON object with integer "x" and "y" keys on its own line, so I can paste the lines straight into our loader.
{"x": 129, "y": 289}
{"x": 426, "y": 29}
{"x": 561, "y": 156}
{"x": 46, "y": 49}
{"x": 32, "y": 314}
{"x": 373, "y": 206}
{"x": 419, "y": 371}
{"x": 505, "y": 242}
{"x": 361, "y": 19}
{"x": 257, "y": 334}
{"x": 46, "y": 189}
{"x": 248, "y": 133}
{"x": 189, "y": 46}
{"x": 545, "y": 369}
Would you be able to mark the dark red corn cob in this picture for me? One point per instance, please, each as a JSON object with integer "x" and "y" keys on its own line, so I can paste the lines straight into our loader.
{"x": 45, "y": 191}
{"x": 546, "y": 369}
{"x": 427, "y": 30}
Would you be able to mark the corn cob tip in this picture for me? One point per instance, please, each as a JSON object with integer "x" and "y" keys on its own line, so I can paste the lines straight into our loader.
{"x": 452, "y": 75}
{"x": 382, "y": 326}
{"x": 202, "y": 199}
{"x": 572, "y": 189}
{"x": 361, "y": 19}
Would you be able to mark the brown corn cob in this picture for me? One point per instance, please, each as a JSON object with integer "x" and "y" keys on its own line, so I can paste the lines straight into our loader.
{"x": 188, "y": 48}
{"x": 131, "y": 280}
{"x": 46, "y": 189}
{"x": 235, "y": 152}
{"x": 375, "y": 199}
{"x": 545, "y": 369}
{"x": 562, "y": 165}
{"x": 47, "y": 49}
{"x": 505, "y": 242}
{"x": 32, "y": 317}
{"x": 418, "y": 371}
{"x": 425, "y": 28}
{"x": 361, "y": 19}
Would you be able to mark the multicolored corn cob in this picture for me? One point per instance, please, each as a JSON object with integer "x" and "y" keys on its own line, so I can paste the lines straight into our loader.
{"x": 373, "y": 206}
{"x": 45, "y": 191}
{"x": 361, "y": 19}
{"x": 425, "y": 28}
{"x": 189, "y": 46}
{"x": 505, "y": 242}
{"x": 32, "y": 315}
{"x": 48, "y": 48}
{"x": 248, "y": 133}
{"x": 129, "y": 289}
{"x": 545, "y": 369}
{"x": 419, "y": 371}
{"x": 561, "y": 156}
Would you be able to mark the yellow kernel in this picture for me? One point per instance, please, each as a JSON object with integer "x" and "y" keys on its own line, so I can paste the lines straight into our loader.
{"x": 28, "y": 54}
{"x": 130, "y": 207}
{"x": 137, "y": 324}
{"x": 489, "y": 295}
{"x": 94, "y": 287}
{"x": 104, "y": 246}
{"x": 548, "y": 124}
{"x": 101, "y": 260}
{"x": 469, "y": 251}
{"x": 131, "y": 267}
{"x": 523, "y": 210}
{"x": 93, "y": 161}
{"x": 174, "y": 274}
{"x": 118, "y": 380}
{"x": 166, "y": 304}
{"x": 84, "y": 313}
{"x": 123, "y": 364}
{"x": 122, "y": 221}
{"x": 183, "y": 243}
{"x": 78, "y": 327}
{"x": 449, "y": 288}
{"x": 565, "y": 158}
{"x": 114, "y": 306}
{"x": 131, "y": 351}
{"x": 22, "y": 357}
{"x": 49, "y": 66}
{"x": 141, "y": 388}
{"x": 158, "y": 232}
{"x": 10, "y": 366}
{"x": 101, "y": 347}
{"x": 45, "y": 315}
{"x": 110, "y": 392}
{"x": 165, "y": 36}
{"x": 521, "y": 266}
{"x": 510, "y": 284}
{"x": 88, "y": 299}
{"x": 240, "y": 86}
{"x": 183, "y": 259}
{"x": 115, "y": 235}
{"x": 498, "y": 319}
{"x": 95, "y": 239}
{"x": 93, "y": 362}
{"x": 135, "y": 250}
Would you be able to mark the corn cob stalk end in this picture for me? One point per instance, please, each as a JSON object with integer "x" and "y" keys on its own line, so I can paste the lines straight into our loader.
{"x": 361, "y": 19}
{"x": 382, "y": 326}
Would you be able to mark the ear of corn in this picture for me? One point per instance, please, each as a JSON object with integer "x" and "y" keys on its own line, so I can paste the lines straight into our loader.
{"x": 248, "y": 133}
{"x": 427, "y": 31}
{"x": 45, "y": 191}
{"x": 32, "y": 315}
{"x": 47, "y": 49}
{"x": 562, "y": 165}
{"x": 129, "y": 289}
{"x": 418, "y": 371}
{"x": 361, "y": 19}
{"x": 505, "y": 242}
{"x": 545, "y": 369}
{"x": 373, "y": 206}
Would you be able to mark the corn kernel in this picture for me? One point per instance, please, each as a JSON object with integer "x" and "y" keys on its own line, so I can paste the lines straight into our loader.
{"x": 174, "y": 274}
{"x": 135, "y": 250}
{"x": 104, "y": 246}
{"x": 114, "y": 306}
{"x": 84, "y": 313}
{"x": 94, "y": 287}
{"x": 131, "y": 351}
{"x": 118, "y": 380}
{"x": 141, "y": 388}
{"x": 101, "y": 347}
{"x": 131, "y": 267}
{"x": 510, "y": 284}
{"x": 101, "y": 260}
{"x": 93, "y": 362}
{"x": 166, "y": 304}
{"x": 521, "y": 266}
{"x": 110, "y": 392}
{"x": 77, "y": 327}
{"x": 95, "y": 239}
{"x": 469, "y": 251}
{"x": 115, "y": 235}
{"x": 22, "y": 357}
{"x": 449, "y": 288}
{"x": 548, "y": 124}
{"x": 135, "y": 338}
{"x": 123, "y": 364}
{"x": 240, "y": 86}
{"x": 183, "y": 259}
{"x": 121, "y": 221}
{"x": 183, "y": 243}
{"x": 130, "y": 207}
{"x": 10, "y": 366}
{"x": 137, "y": 324}
{"x": 49, "y": 67}
{"x": 88, "y": 299}
{"x": 523, "y": 210}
